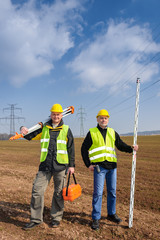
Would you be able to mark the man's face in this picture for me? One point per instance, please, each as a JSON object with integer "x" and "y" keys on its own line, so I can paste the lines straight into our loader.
{"x": 56, "y": 117}
{"x": 102, "y": 121}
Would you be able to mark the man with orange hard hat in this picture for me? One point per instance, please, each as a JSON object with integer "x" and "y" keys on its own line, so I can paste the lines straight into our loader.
{"x": 99, "y": 155}
{"x": 57, "y": 156}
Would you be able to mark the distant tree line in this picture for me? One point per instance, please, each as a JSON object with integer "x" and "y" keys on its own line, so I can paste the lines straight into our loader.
{"x": 4, "y": 136}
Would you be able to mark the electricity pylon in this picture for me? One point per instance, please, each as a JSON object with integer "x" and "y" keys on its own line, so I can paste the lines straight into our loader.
{"x": 81, "y": 112}
{"x": 12, "y": 117}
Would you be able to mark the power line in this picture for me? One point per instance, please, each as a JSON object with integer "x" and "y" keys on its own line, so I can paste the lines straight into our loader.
{"x": 142, "y": 90}
{"x": 122, "y": 110}
{"x": 150, "y": 85}
{"x": 139, "y": 71}
{"x": 132, "y": 96}
{"x": 153, "y": 96}
{"x": 127, "y": 66}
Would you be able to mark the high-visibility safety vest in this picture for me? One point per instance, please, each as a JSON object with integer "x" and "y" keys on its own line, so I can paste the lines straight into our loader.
{"x": 102, "y": 150}
{"x": 62, "y": 154}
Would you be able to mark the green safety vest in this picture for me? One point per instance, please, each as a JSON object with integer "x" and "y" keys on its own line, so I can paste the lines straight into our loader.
{"x": 100, "y": 150}
{"x": 62, "y": 154}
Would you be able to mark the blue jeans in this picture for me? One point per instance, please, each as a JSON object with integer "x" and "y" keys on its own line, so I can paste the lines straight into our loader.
{"x": 111, "y": 179}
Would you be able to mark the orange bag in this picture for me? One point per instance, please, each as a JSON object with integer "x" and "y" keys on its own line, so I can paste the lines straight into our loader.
{"x": 73, "y": 191}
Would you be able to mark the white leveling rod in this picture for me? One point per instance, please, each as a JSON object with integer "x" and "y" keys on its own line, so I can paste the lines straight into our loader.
{"x": 134, "y": 157}
{"x": 67, "y": 111}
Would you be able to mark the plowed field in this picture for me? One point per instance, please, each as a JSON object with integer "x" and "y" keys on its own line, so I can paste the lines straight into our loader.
{"x": 19, "y": 161}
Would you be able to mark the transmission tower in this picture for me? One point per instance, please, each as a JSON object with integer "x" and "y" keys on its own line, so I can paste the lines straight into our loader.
{"x": 12, "y": 117}
{"x": 81, "y": 112}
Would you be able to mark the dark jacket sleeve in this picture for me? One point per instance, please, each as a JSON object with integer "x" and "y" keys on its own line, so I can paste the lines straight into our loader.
{"x": 33, "y": 134}
{"x": 122, "y": 146}
{"x": 70, "y": 149}
{"x": 87, "y": 143}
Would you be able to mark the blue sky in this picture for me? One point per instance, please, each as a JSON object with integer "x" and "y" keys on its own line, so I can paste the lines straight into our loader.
{"x": 82, "y": 53}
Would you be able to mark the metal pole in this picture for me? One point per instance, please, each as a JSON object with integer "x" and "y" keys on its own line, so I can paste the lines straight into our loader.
{"x": 134, "y": 157}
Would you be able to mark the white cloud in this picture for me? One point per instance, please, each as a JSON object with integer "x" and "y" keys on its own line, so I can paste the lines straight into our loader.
{"x": 115, "y": 56}
{"x": 32, "y": 38}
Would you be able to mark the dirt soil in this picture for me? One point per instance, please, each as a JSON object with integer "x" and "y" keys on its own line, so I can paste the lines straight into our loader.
{"x": 19, "y": 161}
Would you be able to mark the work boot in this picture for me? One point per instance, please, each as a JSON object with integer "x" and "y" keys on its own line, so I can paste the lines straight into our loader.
{"x": 55, "y": 224}
{"x": 30, "y": 225}
{"x": 95, "y": 224}
{"x": 114, "y": 218}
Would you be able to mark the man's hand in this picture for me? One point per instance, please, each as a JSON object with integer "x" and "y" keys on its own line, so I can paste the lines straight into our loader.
{"x": 71, "y": 170}
{"x": 91, "y": 167}
{"x": 135, "y": 147}
{"x": 24, "y": 130}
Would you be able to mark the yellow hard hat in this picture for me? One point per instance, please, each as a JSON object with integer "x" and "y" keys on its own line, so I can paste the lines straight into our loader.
{"x": 56, "y": 108}
{"x": 103, "y": 112}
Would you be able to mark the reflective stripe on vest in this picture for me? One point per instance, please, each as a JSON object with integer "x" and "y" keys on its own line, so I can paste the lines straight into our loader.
{"x": 62, "y": 154}
{"x": 100, "y": 150}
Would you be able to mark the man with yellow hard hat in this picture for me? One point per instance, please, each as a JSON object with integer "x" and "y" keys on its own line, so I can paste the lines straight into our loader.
{"x": 99, "y": 155}
{"x": 57, "y": 156}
